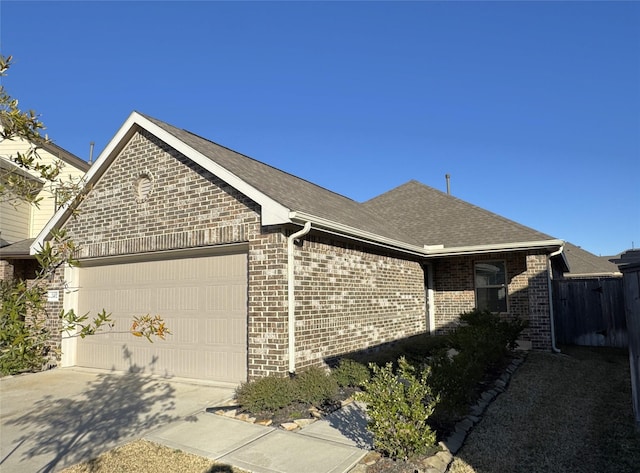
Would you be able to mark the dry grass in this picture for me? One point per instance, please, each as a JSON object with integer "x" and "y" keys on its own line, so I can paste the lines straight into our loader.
{"x": 142, "y": 456}
{"x": 561, "y": 413}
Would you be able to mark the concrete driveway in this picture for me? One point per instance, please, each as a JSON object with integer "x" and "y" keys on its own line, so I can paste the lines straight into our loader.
{"x": 57, "y": 418}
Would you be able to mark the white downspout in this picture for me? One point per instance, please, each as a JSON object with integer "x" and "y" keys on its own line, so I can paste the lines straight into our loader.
{"x": 291, "y": 295}
{"x": 551, "y": 317}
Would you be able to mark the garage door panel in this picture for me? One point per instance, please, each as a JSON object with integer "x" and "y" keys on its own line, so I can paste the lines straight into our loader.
{"x": 202, "y": 300}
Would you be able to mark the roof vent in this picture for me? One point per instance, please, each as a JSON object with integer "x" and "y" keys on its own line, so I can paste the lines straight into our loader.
{"x": 143, "y": 186}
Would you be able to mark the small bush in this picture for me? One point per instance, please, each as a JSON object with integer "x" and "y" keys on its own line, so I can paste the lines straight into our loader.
{"x": 266, "y": 394}
{"x": 454, "y": 379}
{"x": 399, "y": 406}
{"x": 482, "y": 341}
{"x": 486, "y": 335}
{"x": 350, "y": 373}
{"x": 315, "y": 386}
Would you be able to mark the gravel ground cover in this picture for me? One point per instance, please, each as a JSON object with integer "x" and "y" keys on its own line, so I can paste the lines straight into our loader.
{"x": 142, "y": 456}
{"x": 561, "y": 413}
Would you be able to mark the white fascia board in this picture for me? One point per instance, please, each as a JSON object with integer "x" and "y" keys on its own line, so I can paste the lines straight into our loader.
{"x": 272, "y": 212}
{"x": 495, "y": 248}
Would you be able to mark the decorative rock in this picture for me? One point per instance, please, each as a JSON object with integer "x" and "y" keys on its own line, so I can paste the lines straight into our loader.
{"x": 303, "y": 422}
{"x": 464, "y": 425}
{"x": 429, "y": 470}
{"x": 454, "y": 442}
{"x": 371, "y": 458}
{"x": 500, "y": 384}
{"x": 246, "y": 418}
{"x": 488, "y": 396}
{"x": 435, "y": 462}
{"x": 315, "y": 413}
{"x": 289, "y": 426}
{"x": 346, "y": 402}
{"x": 446, "y": 457}
{"x": 230, "y": 413}
{"x": 443, "y": 446}
{"x": 265, "y": 422}
{"x": 473, "y": 419}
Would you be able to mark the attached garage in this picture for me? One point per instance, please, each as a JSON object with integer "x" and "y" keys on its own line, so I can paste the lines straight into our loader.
{"x": 202, "y": 299}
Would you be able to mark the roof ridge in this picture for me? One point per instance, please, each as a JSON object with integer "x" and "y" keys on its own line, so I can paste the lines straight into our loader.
{"x": 464, "y": 202}
{"x": 253, "y": 159}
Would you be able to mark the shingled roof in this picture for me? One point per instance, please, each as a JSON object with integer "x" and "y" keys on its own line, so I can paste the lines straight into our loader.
{"x": 291, "y": 191}
{"x": 432, "y": 217}
{"x": 585, "y": 264}
{"x": 406, "y": 218}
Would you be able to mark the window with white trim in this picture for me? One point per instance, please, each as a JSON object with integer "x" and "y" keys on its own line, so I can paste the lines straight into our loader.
{"x": 491, "y": 285}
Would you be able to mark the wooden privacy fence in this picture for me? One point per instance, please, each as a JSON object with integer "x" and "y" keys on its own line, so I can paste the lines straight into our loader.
{"x": 590, "y": 312}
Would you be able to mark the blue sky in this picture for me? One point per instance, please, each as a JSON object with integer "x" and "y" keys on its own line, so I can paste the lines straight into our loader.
{"x": 533, "y": 108}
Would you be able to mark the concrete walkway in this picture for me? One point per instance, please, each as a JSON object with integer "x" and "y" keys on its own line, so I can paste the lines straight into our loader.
{"x": 331, "y": 445}
{"x": 57, "y": 418}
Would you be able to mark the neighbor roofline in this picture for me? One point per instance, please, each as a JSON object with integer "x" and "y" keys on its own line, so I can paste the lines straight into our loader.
{"x": 272, "y": 212}
{"x": 65, "y": 155}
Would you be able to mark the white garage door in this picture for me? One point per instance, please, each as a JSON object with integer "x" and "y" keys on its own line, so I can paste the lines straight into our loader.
{"x": 203, "y": 301}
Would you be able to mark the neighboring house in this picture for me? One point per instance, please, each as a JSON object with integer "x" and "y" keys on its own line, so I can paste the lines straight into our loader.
{"x": 20, "y": 222}
{"x": 259, "y": 272}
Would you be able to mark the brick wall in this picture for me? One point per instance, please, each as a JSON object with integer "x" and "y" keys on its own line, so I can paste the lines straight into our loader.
{"x": 268, "y": 326}
{"x": 187, "y": 206}
{"x": 539, "y": 312}
{"x": 348, "y": 299}
{"x": 454, "y": 292}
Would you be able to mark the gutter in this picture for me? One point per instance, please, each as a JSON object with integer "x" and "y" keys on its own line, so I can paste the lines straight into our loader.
{"x": 291, "y": 298}
{"x": 338, "y": 229}
{"x": 554, "y": 348}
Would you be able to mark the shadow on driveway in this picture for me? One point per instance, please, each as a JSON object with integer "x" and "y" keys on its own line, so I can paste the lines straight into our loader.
{"x": 60, "y": 431}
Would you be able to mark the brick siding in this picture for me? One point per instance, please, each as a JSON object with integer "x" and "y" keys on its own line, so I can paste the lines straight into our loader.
{"x": 527, "y": 292}
{"x": 349, "y": 299}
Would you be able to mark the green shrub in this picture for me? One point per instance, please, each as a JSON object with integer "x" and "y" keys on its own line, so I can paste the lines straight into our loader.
{"x": 453, "y": 380}
{"x": 399, "y": 406}
{"x": 481, "y": 341}
{"x": 23, "y": 343}
{"x": 350, "y": 373}
{"x": 315, "y": 386}
{"x": 267, "y": 394}
{"x": 486, "y": 335}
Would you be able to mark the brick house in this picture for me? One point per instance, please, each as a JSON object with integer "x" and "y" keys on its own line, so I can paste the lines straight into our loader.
{"x": 257, "y": 271}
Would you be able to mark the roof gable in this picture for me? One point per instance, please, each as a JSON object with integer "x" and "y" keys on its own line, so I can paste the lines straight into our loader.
{"x": 294, "y": 193}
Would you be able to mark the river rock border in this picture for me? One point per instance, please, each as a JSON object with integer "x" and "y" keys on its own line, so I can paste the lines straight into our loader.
{"x": 441, "y": 461}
